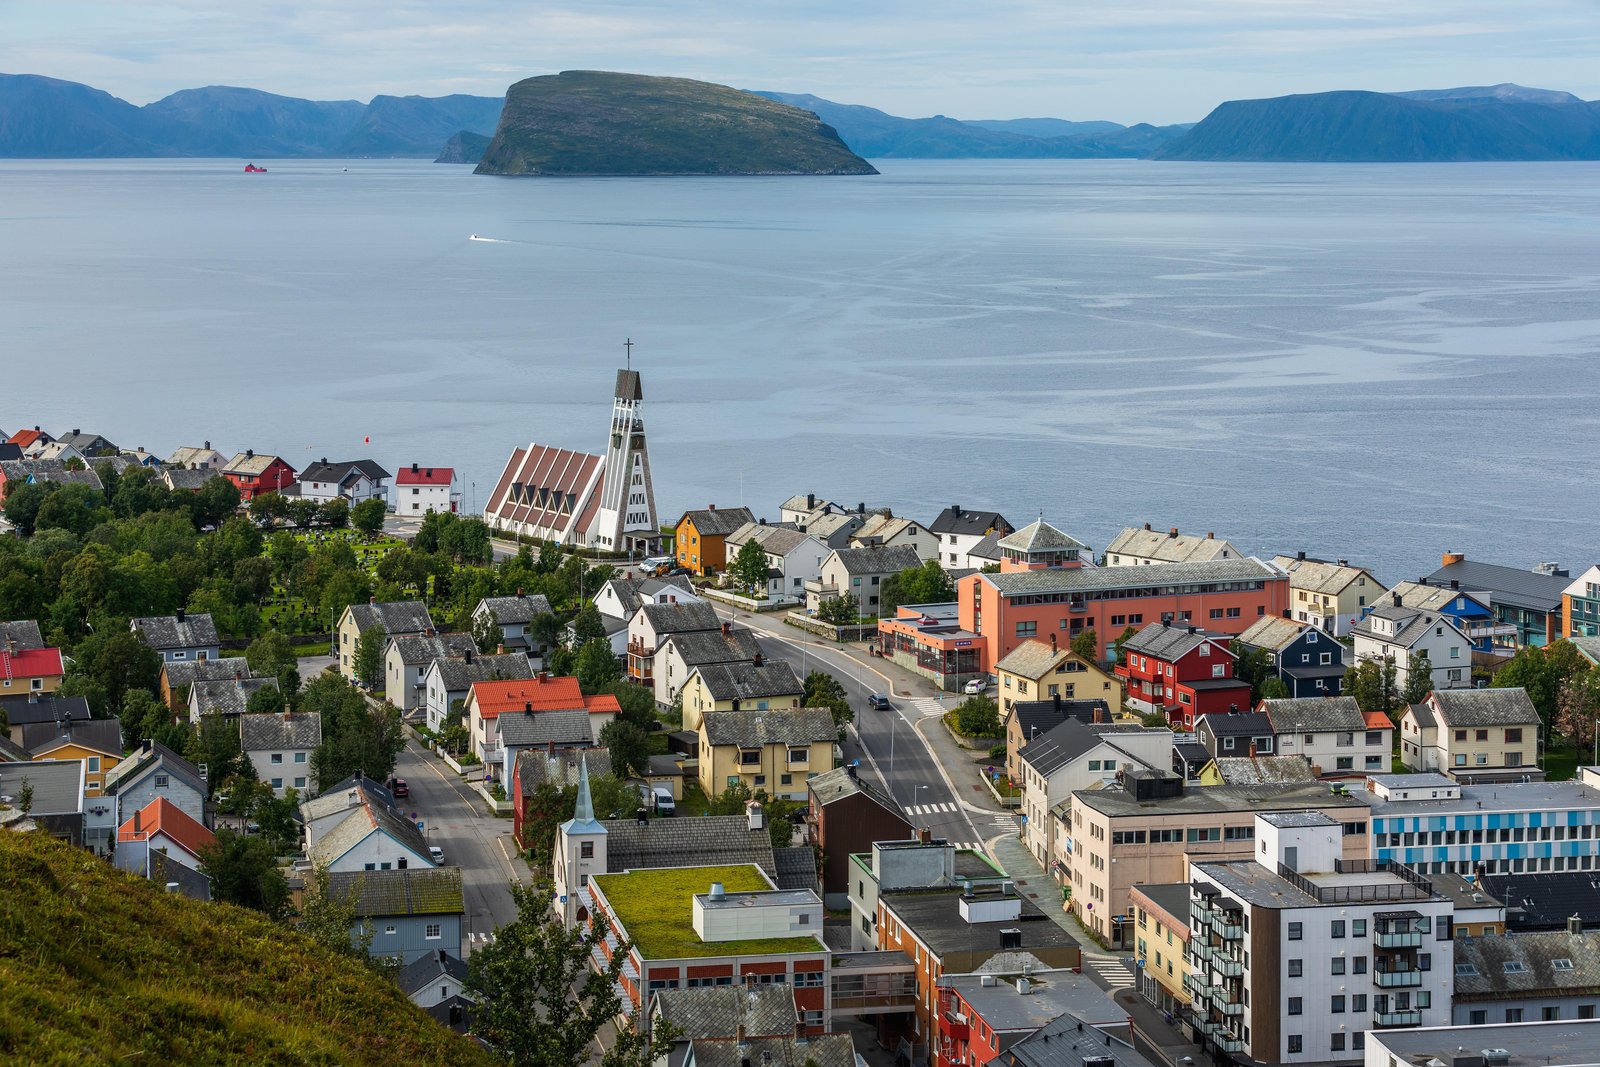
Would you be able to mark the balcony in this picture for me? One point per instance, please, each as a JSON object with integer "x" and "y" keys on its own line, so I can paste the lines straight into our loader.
{"x": 1398, "y": 939}
{"x": 1396, "y": 979}
{"x": 1228, "y": 931}
{"x": 1227, "y": 966}
{"x": 1200, "y": 953}
{"x": 956, "y": 1027}
{"x": 1196, "y": 984}
{"x": 1226, "y": 1002}
{"x": 1397, "y": 1018}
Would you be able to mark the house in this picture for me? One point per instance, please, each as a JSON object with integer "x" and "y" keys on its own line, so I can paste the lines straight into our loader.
{"x": 180, "y": 636}
{"x": 436, "y": 977}
{"x": 1135, "y": 547}
{"x": 1260, "y": 770}
{"x": 681, "y": 653}
{"x": 546, "y": 731}
{"x": 1470, "y": 612}
{"x": 1112, "y": 1048}
{"x": 1073, "y": 755}
{"x": 29, "y": 672}
{"x": 413, "y": 911}
{"x": 22, "y": 711}
{"x": 1183, "y": 672}
{"x": 30, "y": 440}
{"x": 833, "y": 526}
{"x": 448, "y": 681}
{"x": 927, "y": 640}
{"x": 229, "y": 698}
{"x": 982, "y": 1016}
{"x": 514, "y": 615}
{"x": 845, "y": 815}
{"x": 754, "y": 686}
{"x": 1245, "y": 733}
{"x": 1300, "y": 654}
{"x": 58, "y": 806}
{"x": 1529, "y": 600}
{"x": 186, "y": 481}
{"x": 279, "y": 747}
{"x": 1330, "y": 595}
{"x": 793, "y": 556}
{"x": 958, "y": 530}
{"x": 701, "y": 537}
{"x": 177, "y": 676}
{"x": 40, "y": 471}
{"x": 887, "y": 531}
{"x": 1040, "y": 670}
{"x": 1473, "y": 735}
{"x": 859, "y": 572}
{"x": 1026, "y": 599}
{"x": 88, "y": 444}
{"x": 59, "y": 452}
{"x": 323, "y": 811}
{"x": 921, "y": 861}
{"x": 578, "y": 498}
{"x": 1542, "y": 901}
{"x": 1332, "y": 734}
{"x": 370, "y": 837}
{"x": 98, "y": 742}
{"x": 620, "y": 599}
{"x": 1412, "y": 636}
{"x": 775, "y": 752}
{"x": 153, "y": 770}
{"x": 407, "y": 657}
{"x": 161, "y": 826}
{"x": 254, "y": 475}
{"x": 794, "y": 510}
{"x": 557, "y": 767}
{"x": 1333, "y": 950}
{"x": 704, "y": 1011}
{"x": 1028, "y": 719}
{"x": 20, "y": 636}
{"x": 1580, "y": 605}
{"x": 419, "y": 490}
{"x": 397, "y": 618}
{"x": 789, "y": 1050}
{"x": 1543, "y": 977}
{"x": 204, "y": 458}
{"x": 488, "y": 701}
{"x": 352, "y": 480}
{"x": 652, "y": 624}
{"x": 1161, "y": 945}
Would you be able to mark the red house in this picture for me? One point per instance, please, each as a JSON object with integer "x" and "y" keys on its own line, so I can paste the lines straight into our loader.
{"x": 254, "y": 474}
{"x": 1182, "y": 671}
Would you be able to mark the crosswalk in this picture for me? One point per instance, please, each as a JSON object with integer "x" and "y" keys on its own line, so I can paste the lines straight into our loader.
{"x": 479, "y": 939}
{"x": 1112, "y": 970}
{"x": 924, "y": 705}
{"x": 947, "y": 808}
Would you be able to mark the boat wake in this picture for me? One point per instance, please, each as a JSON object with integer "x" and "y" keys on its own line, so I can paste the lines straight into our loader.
{"x": 489, "y": 240}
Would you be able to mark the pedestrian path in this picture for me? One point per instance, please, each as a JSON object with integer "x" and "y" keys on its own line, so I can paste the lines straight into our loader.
{"x": 925, "y": 706}
{"x": 947, "y": 808}
{"x": 1112, "y": 970}
{"x": 479, "y": 939}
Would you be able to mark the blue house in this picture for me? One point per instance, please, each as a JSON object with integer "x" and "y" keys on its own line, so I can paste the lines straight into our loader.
{"x": 1307, "y": 660}
{"x": 412, "y": 912}
{"x": 1470, "y": 612}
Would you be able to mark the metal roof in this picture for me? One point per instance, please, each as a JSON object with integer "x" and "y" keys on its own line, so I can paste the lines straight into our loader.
{"x": 1111, "y": 579}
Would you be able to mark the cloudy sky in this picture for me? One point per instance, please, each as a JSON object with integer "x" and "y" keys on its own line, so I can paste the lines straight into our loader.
{"x": 1167, "y": 61}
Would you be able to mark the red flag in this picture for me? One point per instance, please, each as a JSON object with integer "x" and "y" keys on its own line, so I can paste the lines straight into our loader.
{"x": 367, "y": 440}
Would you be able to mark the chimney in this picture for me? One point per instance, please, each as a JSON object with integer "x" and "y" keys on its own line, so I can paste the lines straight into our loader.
{"x": 1147, "y": 526}
{"x": 1052, "y": 640}
{"x": 180, "y": 614}
{"x": 413, "y": 468}
{"x": 249, "y": 453}
{"x": 543, "y": 677}
{"x": 519, "y": 593}
{"x": 76, "y": 431}
{"x": 955, "y": 509}
{"x": 925, "y": 835}
{"x": 758, "y": 659}
{"x": 138, "y": 821}
{"x": 1099, "y": 714}
{"x": 372, "y": 601}
{"x": 527, "y": 707}
{"x": 641, "y": 816}
{"x": 1300, "y": 554}
{"x": 1194, "y": 629}
{"x": 1344, "y": 563}
{"x": 1396, "y": 599}
{"x": 811, "y": 501}
{"x": 727, "y": 628}
{"x": 717, "y": 894}
{"x": 1288, "y": 614}
{"x": 468, "y": 656}
{"x": 755, "y": 818}
{"x": 1055, "y": 701}
{"x": 550, "y": 748}
{"x": 1252, "y": 750}
{"x": 353, "y": 798}
{"x": 1172, "y": 532}
{"x": 287, "y": 713}
{"x": 324, "y": 461}
{"x": 1575, "y": 926}
{"x": 711, "y": 507}
{"x": 1450, "y": 557}
{"x": 861, "y": 508}
{"x": 1455, "y": 584}
{"x": 208, "y": 446}
{"x": 238, "y": 676}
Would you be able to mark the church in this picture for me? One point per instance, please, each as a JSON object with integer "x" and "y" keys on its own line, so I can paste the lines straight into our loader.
{"x": 583, "y": 499}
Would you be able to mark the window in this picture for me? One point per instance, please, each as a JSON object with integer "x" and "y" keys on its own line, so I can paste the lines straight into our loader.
{"x": 1296, "y": 968}
{"x": 1477, "y": 1018}
{"x": 388, "y": 931}
{"x": 1513, "y": 737}
{"x": 277, "y": 783}
{"x": 161, "y": 781}
{"x": 1337, "y": 1007}
{"x": 586, "y": 850}
{"x": 299, "y": 757}
{"x": 1295, "y": 1043}
{"x": 300, "y": 783}
{"x": 1513, "y": 967}
{"x": 1552, "y": 1013}
{"x": 1338, "y": 965}
{"x": 1219, "y": 670}
{"x": 1358, "y": 1003}
{"x": 1027, "y": 629}
{"x": 1586, "y": 1011}
{"x": 1216, "y": 613}
{"x": 1561, "y": 965}
{"x": 1336, "y": 1042}
{"x": 433, "y": 932}
{"x": 277, "y": 757}
{"x": 1294, "y": 1005}
{"x": 1360, "y": 965}
{"x": 1513, "y": 1015}
{"x": 1295, "y": 931}
{"x": 94, "y": 764}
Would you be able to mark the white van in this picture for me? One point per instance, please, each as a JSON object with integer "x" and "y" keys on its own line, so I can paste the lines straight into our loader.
{"x": 665, "y": 805}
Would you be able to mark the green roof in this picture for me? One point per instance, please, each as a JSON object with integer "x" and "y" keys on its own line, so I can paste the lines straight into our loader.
{"x": 656, "y": 909}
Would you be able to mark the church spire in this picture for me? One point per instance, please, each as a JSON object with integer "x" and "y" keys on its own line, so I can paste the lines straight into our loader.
{"x": 585, "y": 808}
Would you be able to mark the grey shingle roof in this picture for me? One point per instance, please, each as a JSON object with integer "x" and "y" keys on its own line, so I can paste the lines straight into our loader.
{"x": 1068, "y": 741}
{"x": 249, "y": 464}
{"x": 1321, "y": 576}
{"x": 958, "y": 520}
{"x": 185, "y": 479}
{"x": 1154, "y": 576}
{"x": 1069, "y": 1048}
{"x": 1307, "y": 715}
{"x": 1421, "y": 595}
{"x": 47, "y": 470}
{"x": 714, "y": 646}
{"x": 1246, "y": 723}
{"x": 680, "y": 618}
{"x": 424, "y": 971}
{"x": 746, "y": 681}
{"x": 1039, "y": 536}
{"x": 150, "y": 756}
{"x": 1272, "y": 632}
{"x": 167, "y": 631}
{"x": 1163, "y": 642}
{"x": 229, "y": 697}
{"x": 777, "y": 540}
{"x": 882, "y": 559}
{"x": 834, "y": 785}
{"x": 85, "y": 442}
{"x": 336, "y": 798}
{"x": 260, "y": 733}
{"x": 1506, "y": 585}
{"x": 1484, "y": 707}
{"x": 752, "y": 729}
{"x": 457, "y": 675}
{"x": 566, "y": 728}
{"x": 1412, "y": 624}
{"x": 25, "y": 632}
{"x": 535, "y": 766}
{"x": 718, "y": 1011}
{"x": 414, "y": 891}
{"x": 1167, "y": 548}
{"x": 101, "y": 735}
{"x": 181, "y": 673}
{"x": 712, "y": 840}
{"x": 824, "y": 1050}
{"x": 1031, "y": 659}
{"x": 1531, "y": 957}
{"x": 338, "y": 473}
{"x": 1263, "y": 770}
{"x": 797, "y": 867}
{"x": 516, "y": 610}
{"x": 712, "y": 522}
{"x": 415, "y": 649}
{"x": 57, "y": 784}
{"x": 394, "y": 617}
{"x": 1034, "y": 717}
{"x": 364, "y": 820}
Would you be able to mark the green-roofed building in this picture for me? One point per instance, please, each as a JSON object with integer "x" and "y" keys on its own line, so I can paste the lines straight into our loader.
{"x": 413, "y": 912}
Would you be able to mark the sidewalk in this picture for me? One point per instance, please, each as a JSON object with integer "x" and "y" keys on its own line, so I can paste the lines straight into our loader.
{"x": 1032, "y": 882}
{"x": 1154, "y": 1036}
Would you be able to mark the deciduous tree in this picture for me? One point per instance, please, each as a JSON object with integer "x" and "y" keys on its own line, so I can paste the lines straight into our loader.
{"x": 1419, "y": 678}
{"x": 1086, "y": 645}
{"x": 597, "y": 666}
{"x": 244, "y": 871}
{"x": 366, "y": 661}
{"x": 368, "y": 516}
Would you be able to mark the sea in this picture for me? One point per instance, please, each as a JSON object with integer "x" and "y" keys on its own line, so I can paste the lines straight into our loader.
{"x": 1373, "y": 362}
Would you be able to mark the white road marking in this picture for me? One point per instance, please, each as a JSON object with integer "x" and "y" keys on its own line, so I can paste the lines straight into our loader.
{"x": 1114, "y": 970}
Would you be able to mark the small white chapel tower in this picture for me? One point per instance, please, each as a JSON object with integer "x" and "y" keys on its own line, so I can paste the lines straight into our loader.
{"x": 579, "y": 853}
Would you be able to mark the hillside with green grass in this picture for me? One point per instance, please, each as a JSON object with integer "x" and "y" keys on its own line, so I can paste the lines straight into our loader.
{"x": 97, "y": 966}
{"x": 584, "y": 122}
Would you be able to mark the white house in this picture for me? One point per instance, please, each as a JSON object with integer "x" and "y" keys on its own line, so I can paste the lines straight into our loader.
{"x": 353, "y": 480}
{"x": 204, "y": 458}
{"x": 887, "y": 531}
{"x": 960, "y": 529}
{"x": 652, "y": 624}
{"x": 419, "y": 490}
{"x": 859, "y": 572}
{"x": 793, "y": 556}
{"x": 1393, "y": 631}
{"x": 1073, "y": 755}
{"x": 370, "y": 837}
{"x": 1332, "y": 734}
{"x": 407, "y": 657}
{"x": 514, "y": 615}
{"x": 279, "y": 747}
{"x": 681, "y": 653}
{"x": 450, "y": 680}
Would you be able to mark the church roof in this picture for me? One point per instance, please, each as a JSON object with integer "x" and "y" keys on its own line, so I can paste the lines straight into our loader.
{"x": 583, "y": 820}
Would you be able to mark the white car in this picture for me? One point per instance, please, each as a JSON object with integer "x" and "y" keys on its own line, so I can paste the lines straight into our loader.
{"x": 976, "y": 686}
{"x": 436, "y": 854}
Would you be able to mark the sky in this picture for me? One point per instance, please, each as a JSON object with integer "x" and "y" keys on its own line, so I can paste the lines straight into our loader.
{"x": 1160, "y": 61}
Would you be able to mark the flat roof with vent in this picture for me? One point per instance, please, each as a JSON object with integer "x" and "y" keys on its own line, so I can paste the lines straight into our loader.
{"x": 1571, "y": 1044}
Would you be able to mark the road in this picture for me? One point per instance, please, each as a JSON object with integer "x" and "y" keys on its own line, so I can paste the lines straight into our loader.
{"x": 453, "y": 818}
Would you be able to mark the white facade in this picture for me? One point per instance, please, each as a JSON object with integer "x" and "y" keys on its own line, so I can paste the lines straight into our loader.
{"x": 284, "y": 769}
{"x": 627, "y": 518}
{"x": 356, "y": 488}
{"x": 377, "y": 851}
{"x": 1449, "y": 650}
{"x": 419, "y": 490}
{"x": 1339, "y": 752}
{"x": 800, "y": 564}
{"x": 1091, "y": 769}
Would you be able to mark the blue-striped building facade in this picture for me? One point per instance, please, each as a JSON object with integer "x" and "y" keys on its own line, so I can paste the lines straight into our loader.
{"x": 1501, "y": 842}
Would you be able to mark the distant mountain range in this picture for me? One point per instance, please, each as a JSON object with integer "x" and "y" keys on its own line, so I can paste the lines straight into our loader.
{"x": 49, "y": 118}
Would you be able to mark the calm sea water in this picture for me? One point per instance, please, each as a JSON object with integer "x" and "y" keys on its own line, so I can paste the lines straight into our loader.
{"x": 1377, "y": 362}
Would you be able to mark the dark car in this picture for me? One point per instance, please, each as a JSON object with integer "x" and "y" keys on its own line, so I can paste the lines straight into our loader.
{"x": 879, "y": 702}
{"x": 398, "y": 787}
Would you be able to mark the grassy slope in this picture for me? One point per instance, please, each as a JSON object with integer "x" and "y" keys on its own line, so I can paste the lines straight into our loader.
{"x": 99, "y": 967}
{"x": 593, "y": 122}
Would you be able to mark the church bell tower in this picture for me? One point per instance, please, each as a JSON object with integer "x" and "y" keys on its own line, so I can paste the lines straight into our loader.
{"x": 627, "y": 518}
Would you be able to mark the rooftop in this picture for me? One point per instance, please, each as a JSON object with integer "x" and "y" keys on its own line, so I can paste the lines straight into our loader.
{"x": 1573, "y": 1044}
{"x": 1218, "y": 799}
{"x": 1511, "y": 797}
{"x": 1179, "y": 577}
{"x": 1549, "y": 962}
{"x": 425, "y": 648}
{"x": 1314, "y": 715}
{"x": 1075, "y": 1042}
{"x": 1319, "y": 575}
{"x": 839, "y": 783}
{"x": 97, "y": 735}
{"x": 1167, "y": 546}
{"x": 564, "y": 727}
{"x": 1070, "y": 740}
{"x": 934, "y": 916}
{"x": 188, "y": 671}
{"x": 655, "y": 908}
{"x": 1032, "y": 658}
{"x": 229, "y": 697}
{"x": 1170, "y": 897}
{"x": 882, "y": 559}
{"x": 958, "y": 520}
{"x": 541, "y": 693}
{"x": 1039, "y": 536}
{"x": 1516, "y": 586}
{"x": 425, "y": 970}
{"x": 746, "y": 681}
{"x": 718, "y": 1011}
{"x": 1273, "y": 632}
{"x": 57, "y": 784}
{"x": 414, "y": 891}
{"x": 1484, "y": 707}
{"x": 458, "y": 675}
{"x": 161, "y": 816}
{"x": 1263, "y": 770}
{"x": 1367, "y": 883}
{"x": 680, "y": 618}
{"x": 820, "y": 1050}
{"x": 1546, "y": 901}
{"x": 1050, "y": 993}
{"x": 517, "y": 609}
{"x": 713, "y": 839}
{"x": 259, "y": 733}
{"x": 753, "y": 729}
{"x": 393, "y": 617}
{"x": 714, "y": 522}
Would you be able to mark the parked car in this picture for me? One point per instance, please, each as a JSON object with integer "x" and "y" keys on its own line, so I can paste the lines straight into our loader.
{"x": 976, "y": 686}
{"x": 879, "y": 702}
{"x": 436, "y": 854}
{"x": 664, "y": 803}
{"x": 398, "y": 787}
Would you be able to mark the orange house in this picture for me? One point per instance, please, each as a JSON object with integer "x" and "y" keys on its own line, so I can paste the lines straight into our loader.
{"x": 702, "y": 536}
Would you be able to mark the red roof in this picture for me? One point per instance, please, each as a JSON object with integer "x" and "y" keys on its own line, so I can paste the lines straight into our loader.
{"x": 31, "y": 663}
{"x": 425, "y": 476}
{"x": 537, "y": 694}
{"x": 1378, "y": 720}
{"x": 24, "y": 438}
{"x": 601, "y": 704}
{"x": 160, "y": 816}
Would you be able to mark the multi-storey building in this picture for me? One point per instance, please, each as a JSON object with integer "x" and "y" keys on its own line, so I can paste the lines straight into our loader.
{"x": 1528, "y": 599}
{"x": 1414, "y": 639}
{"x": 1309, "y": 662}
{"x": 1183, "y": 672}
{"x": 1473, "y": 735}
{"x": 1072, "y": 756}
{"x": 1161, "y": 944}
{"x": 1332, "y": 734}
{"x": 1296, "y": 952}
{"x": 1331, "y": 596}
{"x": 1045, "y": 670}
{"x": 1135, "y": 547}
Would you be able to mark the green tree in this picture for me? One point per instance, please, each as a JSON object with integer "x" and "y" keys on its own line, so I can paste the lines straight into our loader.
{"x": 840, "y": 610}
{"x": 597, "y": 666}
{"x": 1085, "y": 644}
{"x": 541, "y": 1004}
{"x": 486, "y": 633}
{"x": 629, "y": 746}
{"x": 1254, "y": 665}
{"x": 823, "y": 690}
{"x": 75, "y": 508}
{"x": 927, "y": 584}
{"x": 267, "y": 509}
{"x": 356, "y": 736}
{"x": 108, "y": 663}
{"x": 269, "y": 654}
{"x": 1541, "y": 672}
{"x": 264, "y": 701}
{"x": 1372, "y": 683}
{"x": 213, "y": 502}
{"x": 22, "y": 504}
{"x": 331, "y": 920}
{"x": 978, "y": 716}
{"x": 366, "y": 662}
{"x": 1578, "y": 706}
{"x": 587, "y": 626}
{"x": 1419, "y": 679}
{"x": 1120, "y": 656}
{"x": 335, "y": 514}
{"x": 1274, "y": 688}
{"x": 302, "y": 514}
{"x": 368, "y": 516}
{"x": 748, "y": 571}
{"x": 731, "y": 801}
{"x": 244, "y": 871}
{"x": 138, "y": 706}
{"x": 214, "y": 746}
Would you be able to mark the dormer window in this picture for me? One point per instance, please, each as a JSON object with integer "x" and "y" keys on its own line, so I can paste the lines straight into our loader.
{"x": 1311, "y": 637}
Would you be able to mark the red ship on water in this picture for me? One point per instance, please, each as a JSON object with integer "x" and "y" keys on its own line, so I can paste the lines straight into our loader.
{"x": 251, "y": 168}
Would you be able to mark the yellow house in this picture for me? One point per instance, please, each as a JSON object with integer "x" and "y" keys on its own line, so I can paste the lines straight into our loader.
{"x": 1161, "y": 941}
{"x": 1035, "y": 670}
{"x": 1330, "y": 595}
{"x": 701, "y": 537}
{"x": 755, "y": 686}
{"x": 97, "y": 742}
{"x": 399, "y": 618}
{"x": 775, "y": 752}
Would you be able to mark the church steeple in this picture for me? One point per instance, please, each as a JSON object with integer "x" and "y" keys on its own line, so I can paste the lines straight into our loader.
{"x": 583, "y": 820}
{"x": 627, "y": 517}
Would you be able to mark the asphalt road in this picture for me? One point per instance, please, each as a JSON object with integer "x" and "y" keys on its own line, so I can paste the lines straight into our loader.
{"x": 454, "y": 818}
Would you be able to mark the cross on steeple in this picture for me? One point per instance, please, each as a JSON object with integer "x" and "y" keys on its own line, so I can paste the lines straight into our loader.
{"x": 628, "y": 346}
